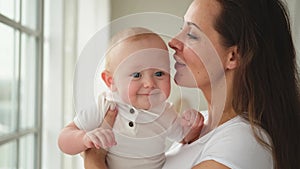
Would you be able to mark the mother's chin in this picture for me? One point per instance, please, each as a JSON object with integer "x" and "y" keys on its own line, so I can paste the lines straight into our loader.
{"x": 184, "y": 77}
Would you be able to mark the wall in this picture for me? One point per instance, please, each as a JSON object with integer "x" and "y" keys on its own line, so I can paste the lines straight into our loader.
{"x": 125, "y": 7}
{"x": 294, "y": 6}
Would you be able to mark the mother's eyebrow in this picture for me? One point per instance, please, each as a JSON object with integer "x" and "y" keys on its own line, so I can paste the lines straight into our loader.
{"x": 193, "y": 24}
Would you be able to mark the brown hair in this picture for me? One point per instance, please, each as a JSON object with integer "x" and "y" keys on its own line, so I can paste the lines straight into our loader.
{"x": 267, "y": 81}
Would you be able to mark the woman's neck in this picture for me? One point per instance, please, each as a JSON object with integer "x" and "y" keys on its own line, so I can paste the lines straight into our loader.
{"x": 227, "y": 115}
{"x": 220, "y": 101}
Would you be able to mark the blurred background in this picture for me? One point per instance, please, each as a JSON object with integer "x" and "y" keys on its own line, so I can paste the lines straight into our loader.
{"x": 40, "y": 43}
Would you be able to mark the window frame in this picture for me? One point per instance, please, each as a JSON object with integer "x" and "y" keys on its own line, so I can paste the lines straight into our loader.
{"x": 36, "y": 130}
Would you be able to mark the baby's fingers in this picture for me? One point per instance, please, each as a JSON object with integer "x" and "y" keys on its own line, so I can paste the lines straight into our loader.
{"x": 89, "y": 140}
{"x": 107, "y": 139}
{"x": 198, "y": 121}
{"x": 100, "y": 138}
{"x": 190, "y": 116}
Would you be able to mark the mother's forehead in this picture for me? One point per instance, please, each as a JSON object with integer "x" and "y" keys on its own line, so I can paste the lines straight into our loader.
{"x": 201, "y": 12}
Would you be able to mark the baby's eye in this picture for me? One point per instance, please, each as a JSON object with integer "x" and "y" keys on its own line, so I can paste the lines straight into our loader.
{"x": 159, "y": 74}
{"x": 136, "y": 75}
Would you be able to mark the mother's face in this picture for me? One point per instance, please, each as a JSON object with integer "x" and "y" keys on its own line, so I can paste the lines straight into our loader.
{"x": 197, "y": 47}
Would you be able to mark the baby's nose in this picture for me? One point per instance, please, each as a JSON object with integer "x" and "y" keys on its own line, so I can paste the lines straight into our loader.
{"x": 149, "y": 82}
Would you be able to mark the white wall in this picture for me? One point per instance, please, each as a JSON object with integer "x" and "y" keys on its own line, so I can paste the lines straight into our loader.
{"x": 125, "y": 7}
{"x": 53, "y": 89}
{"x": 294, "y": 7}
{"x": 93, "y": 15}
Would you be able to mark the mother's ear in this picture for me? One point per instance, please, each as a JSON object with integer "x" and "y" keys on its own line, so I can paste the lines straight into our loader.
{"x": 108, "y": 80}
{"x": 232, "y": 59}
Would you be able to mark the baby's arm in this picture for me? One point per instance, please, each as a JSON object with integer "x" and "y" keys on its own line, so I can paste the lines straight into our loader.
{"x": 72, "y": 140}
{"x": 192, "y": 122}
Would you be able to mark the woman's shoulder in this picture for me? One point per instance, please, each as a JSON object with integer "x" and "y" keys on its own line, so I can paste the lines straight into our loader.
{"x": 235, "y": 126}
{"x": 233, "y": 134}
{"x": 238, "y": 130}
{"x": 235, "y": 145}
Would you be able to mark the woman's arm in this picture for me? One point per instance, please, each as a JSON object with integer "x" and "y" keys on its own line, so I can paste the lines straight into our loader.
{"x": 210, "y": 164}
{"x": 95, "y": 158}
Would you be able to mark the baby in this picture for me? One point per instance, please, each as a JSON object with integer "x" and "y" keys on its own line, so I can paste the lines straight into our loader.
{"x": 137, "y": 72}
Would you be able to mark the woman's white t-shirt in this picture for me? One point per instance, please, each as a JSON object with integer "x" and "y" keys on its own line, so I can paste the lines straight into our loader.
{"x": 232, "y": 144}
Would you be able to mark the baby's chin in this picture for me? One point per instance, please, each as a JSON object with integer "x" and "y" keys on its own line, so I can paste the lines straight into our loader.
{"x": 148, "y": 102}
{"x": 148, "y": 105}
{"x": 144, "y": 105}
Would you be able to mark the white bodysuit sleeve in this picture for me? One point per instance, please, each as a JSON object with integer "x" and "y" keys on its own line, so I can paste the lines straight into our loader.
{"x": 91, "y": 117}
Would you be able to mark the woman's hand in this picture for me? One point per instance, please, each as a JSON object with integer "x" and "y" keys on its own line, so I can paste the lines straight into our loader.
{"x": 95, "y": 158}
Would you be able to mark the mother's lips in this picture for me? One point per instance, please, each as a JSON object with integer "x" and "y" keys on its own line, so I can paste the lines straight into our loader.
{"x": 179, "y": 62}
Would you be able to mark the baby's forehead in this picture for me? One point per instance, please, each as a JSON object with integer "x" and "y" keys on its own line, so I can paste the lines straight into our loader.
{"x": 144, "y": 41}
{"x": 140, "y": 49}
{"x": 143, "y": 47}
{"x": 137, "y": 68}
{"x": 148, "y": 58}
{"x": 128, "y": 68}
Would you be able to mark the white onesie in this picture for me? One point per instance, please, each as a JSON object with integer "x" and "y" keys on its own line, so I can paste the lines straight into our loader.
{"x": 140, "y": 134}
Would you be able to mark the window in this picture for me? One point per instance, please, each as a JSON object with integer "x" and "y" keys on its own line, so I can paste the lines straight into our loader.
{"x": 21, "y": 32}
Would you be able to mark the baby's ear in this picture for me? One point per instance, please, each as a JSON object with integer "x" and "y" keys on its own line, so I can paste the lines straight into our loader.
{"x": 108, "y": 80}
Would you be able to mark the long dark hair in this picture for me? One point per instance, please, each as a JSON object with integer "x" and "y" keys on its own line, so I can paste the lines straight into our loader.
{"x": 267, "y": 81}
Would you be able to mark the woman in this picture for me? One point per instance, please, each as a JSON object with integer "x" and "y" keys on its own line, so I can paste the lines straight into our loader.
{"x": 259, "y": 125}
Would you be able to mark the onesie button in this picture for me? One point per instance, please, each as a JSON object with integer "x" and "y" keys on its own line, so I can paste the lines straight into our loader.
{"x": 131, "y": 110}
{"x": 130, "y": 124}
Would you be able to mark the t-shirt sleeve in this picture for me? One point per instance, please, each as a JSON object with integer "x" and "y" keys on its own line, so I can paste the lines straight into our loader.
{"x": 91, "y": 117}
{"x": 237, "y": 148}
{"x": 88, "y": 118}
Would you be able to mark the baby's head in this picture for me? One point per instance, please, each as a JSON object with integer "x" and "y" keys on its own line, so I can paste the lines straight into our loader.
{"x": 137, "y": 68}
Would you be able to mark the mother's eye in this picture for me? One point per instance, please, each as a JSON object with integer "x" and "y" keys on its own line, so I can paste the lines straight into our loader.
{"x": 191, "y": 36}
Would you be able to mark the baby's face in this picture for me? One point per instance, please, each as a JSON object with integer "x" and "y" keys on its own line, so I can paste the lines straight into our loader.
{"x": 141, "y": 72}
{"x": 146, "y": 88}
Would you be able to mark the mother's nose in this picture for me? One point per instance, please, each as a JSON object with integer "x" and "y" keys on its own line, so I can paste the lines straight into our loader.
{"x": 176, "y": 44}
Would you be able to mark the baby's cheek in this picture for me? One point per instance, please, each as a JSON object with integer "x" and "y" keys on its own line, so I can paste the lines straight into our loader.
{"x": 123, "y": 93}
{"x": 166, "y": 91}
{"x": 131, "y": 93}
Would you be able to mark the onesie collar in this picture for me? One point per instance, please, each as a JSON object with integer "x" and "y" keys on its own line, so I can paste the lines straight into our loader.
{"x": 133, "y": 114}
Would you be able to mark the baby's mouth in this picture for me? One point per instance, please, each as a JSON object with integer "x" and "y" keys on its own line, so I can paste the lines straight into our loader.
{"x": 149, "y": 94}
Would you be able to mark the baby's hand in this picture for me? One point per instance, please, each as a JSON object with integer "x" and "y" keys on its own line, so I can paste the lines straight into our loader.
{"x": 99, "y": 137}
{"x": 192, "y": 123}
